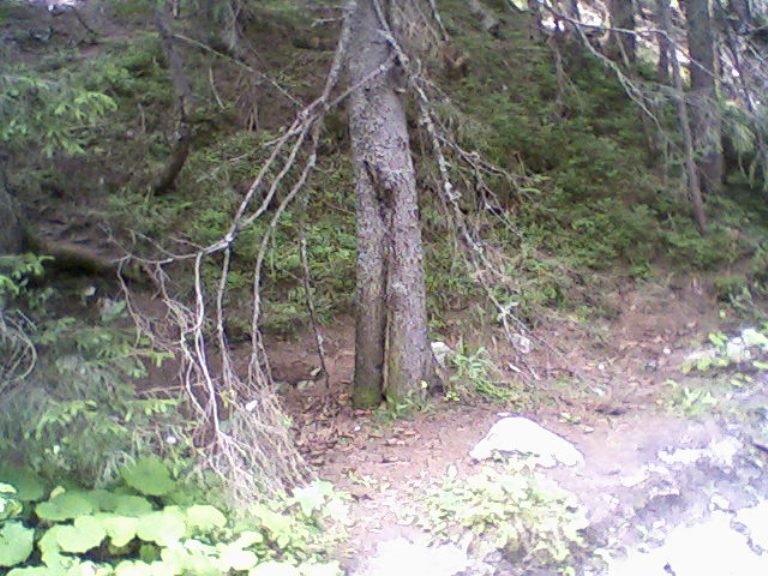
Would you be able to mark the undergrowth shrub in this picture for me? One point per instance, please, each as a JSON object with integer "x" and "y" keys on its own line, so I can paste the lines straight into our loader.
{"x": 138, "y": 528}
{"x": 76, "y": 412}
{"x": 512, "y": 509}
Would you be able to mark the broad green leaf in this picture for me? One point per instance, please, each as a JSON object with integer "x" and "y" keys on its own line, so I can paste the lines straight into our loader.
{"x": 9, "y": 506}
{"x": 248, "y": 538}
{"x": 16, "y": 543}
{"x": 149, "y": 476}
{"x": 29, "y": 487}
{"x": 133, "y": 568}
{"x": 274, "y": 569}
{"x": 193, "y": 557}
{"x": 325, "y": 569}
{"x": 49, "y": 543}
{"x": 234, "y": 558}
{"x": 120, "y": 529}
{"x": 205, "y": 519}
{"x": 34, "y": 571}
{"x": 129, "y": 505}
{"x": 104, "y": 500}
{"x": 64, "y": 506}
{"x": 89, "y": 568}
{"x": 165, "y": 527}
{"x": 87, "y": 533}
{"x": 312, "y": 497}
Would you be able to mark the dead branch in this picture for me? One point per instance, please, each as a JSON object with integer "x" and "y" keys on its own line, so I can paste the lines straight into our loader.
{"x": 241, "y": 424}
{"x": 309, "y": 300}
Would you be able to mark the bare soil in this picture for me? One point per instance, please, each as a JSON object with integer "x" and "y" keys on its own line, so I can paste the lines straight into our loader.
{"x": 600, "y": 384}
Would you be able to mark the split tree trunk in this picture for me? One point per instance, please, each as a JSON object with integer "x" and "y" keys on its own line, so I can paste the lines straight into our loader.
{"x": 392, "y": 352}
{"x": 702, "y": 97}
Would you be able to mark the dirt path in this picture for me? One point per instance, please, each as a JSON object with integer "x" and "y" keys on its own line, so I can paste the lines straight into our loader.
{"x": 650, "y": 468}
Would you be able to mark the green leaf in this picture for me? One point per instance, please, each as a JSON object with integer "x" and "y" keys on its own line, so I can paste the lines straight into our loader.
{"x": 312, "y": 497}
{"x": 149, "y": 476}
{"x": 64, "y": 506}
{"x": 325, "y": 569}
{"x": 234, "y": 558}
{"x": 120, "y": 529}
{"x": 49, "y": 544}
{"x": 133, "y": 568}
{"x": 34, "y": 571}
{"x": 274, "y": 569}
{"x": 164, "y": 528}
{"x": 129, "y": 505}
{"x": 205, "y": 518}
{"x": 87, "y": 533}
{"x": 9, "y": 505}
{"x": 29, "y": 486}
{"x": 16, "y": 543}
{"x": 248, "y": 538}
{"x": 103, "y": 500}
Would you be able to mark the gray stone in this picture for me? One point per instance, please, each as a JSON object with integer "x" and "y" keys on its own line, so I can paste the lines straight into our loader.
{"x": 711, "y": 548}
{"x": 753, "y": 338}
{"x": 401, "y": 557}
{"x": 755, "y": 520}
{"x": 517, "y": 435}
{"x": 441, "y": 352}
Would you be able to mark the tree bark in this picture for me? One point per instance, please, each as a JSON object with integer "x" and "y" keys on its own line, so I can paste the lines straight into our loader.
{"x": 392, "y": 352}
{"x": 622, "y": 46}
{"x": 663, "y": 15}
{"x": 702, "y": 97}
{"x": 691, "y": 170}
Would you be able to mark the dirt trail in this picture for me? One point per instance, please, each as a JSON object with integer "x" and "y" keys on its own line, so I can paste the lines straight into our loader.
{"x": 617, "y": 415}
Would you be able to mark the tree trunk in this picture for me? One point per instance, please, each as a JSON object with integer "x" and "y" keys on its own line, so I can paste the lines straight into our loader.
{"x": 702, "y": 97}
{"x": 392, "y": 352}
{"x": 663, "y": 15}
{"x": 691, "y": 171}
{"x": 622, "y": 46}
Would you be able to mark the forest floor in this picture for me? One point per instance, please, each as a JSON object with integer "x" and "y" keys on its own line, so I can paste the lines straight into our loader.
{"x": 626, "y": 404}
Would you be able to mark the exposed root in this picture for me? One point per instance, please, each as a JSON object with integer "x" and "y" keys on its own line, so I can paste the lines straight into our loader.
{"x": 18, "y": 355}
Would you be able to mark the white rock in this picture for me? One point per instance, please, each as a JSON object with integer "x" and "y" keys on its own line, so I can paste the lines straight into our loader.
{"x": 719, "y": 502}
{"x": 522, "y": 344}
{"x": 752, "y": 337}
{"x": 441, "y": 351}
{"x": 712, "y": 548}
{"x": 736, "y": 350}
{"x": 724, "y": 451}
{"x": 523, "y": 436}
{"x": 400, "y": 557}
{"x": 682, "y": 455}
{"x": 755, "y": 519}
